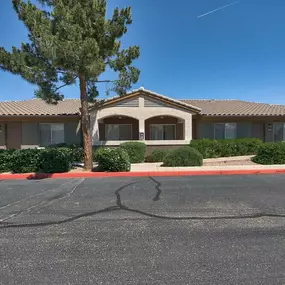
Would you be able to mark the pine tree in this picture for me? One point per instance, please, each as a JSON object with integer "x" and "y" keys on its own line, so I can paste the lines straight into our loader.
{"x": 72, "y": 41}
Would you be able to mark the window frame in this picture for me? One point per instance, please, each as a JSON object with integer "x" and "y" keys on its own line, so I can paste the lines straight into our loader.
{"x": 283, "y": 131}
{"x": 224, "y": 124}
{"x": 50, "y": 124}
{"x": 106, "y": 126}
{"x": 175, "y": 135}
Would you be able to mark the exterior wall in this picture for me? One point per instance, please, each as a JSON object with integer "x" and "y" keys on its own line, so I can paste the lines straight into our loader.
{"x": 116, "y": 120}
{"x": 244, "y": 130}
{"x": 30, "y": 135}
{"x": 14, "y": 135}
{"x": 142, "y": 114}
{"x": 206, "y": 130}
{"x": 2, "y": 136}
{"x": 24, "y": 132}
{"x": 128, "y": 103}
{"x": 72, "y": 132}
{"x": 246, "y": 126}
{"x": 269, "y": 135}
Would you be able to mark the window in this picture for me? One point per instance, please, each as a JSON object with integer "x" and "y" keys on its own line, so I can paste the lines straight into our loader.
{"x": 225, "y": 131}
{"x": 279, "y": 132}
{"x": 51, "y": 134}
{"x": 114, "y": 132}
{"x": 162, "y": 132}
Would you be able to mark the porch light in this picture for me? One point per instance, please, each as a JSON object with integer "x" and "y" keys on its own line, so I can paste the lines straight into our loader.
{"x": 161, "y": 117}
{"x": 120, "y": 118}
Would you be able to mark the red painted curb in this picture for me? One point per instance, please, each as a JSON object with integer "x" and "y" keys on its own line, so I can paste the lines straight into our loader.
{"x": 140, "y": 174}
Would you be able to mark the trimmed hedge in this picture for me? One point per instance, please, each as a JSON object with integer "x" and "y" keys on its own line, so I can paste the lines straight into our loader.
{"x": 55, "y": 160}
{"x": 270, "y": 153}
{"x": 113, "y": 160}
{"x": 77, "y": 150}
{"x": 25, "y": 160}
{"x": 157, "y": 155}
{"x": 135, "y": 150}
{"x": 5, "y": 160}
{"x": 50, "y": 160}
{"x": 183, "y": 156}
{"x": 225, "y": 148}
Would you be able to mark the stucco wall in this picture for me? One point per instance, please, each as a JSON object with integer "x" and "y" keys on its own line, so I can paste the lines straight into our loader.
{"x": 2, "y": 135}
{"x": 30, "y": 135}
{"x": 142, "y": 114}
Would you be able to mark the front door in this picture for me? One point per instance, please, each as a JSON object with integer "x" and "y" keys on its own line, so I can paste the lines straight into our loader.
{"x": 14, "y": 135}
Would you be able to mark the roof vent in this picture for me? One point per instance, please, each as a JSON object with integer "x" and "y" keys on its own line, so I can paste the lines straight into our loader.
{"x": 141, "y": 88}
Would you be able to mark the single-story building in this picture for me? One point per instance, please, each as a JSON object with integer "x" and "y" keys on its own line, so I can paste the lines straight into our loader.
{"x": 141, "y": 115}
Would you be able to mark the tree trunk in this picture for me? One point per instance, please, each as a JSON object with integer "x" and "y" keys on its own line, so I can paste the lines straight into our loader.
{"x": 85, "y": 125}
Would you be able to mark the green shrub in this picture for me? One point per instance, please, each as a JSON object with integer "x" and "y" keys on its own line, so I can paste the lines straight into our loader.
{"x": 271, "y": 153}
{"x": 135, "y": 150}
{"x": 5, "y": 160}
{"x": 224, "y": 148}
{"x": 25, "y": 160}
{"x": 77, "y": 150}
{"x": 208, "y": 148}
{"x": 183, "y": 156}
{"x": 157, "y": 155}
{"x": 55, "y": 160}
{"x": 113, "y": 160}
{"x": 97, "y": 153}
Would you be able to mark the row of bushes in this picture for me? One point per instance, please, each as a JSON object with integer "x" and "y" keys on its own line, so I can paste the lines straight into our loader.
{"x": 60, "y": 158}
{"x": 50, "y": 160}
{"x": 135, "y": 150}
{"x": 118, "y": 159}
{"x": 270, "y": 153}
{"x": 225, "y": 148}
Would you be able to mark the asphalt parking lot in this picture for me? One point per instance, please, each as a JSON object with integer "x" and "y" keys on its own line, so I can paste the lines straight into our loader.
{"x": 163, "y": 230}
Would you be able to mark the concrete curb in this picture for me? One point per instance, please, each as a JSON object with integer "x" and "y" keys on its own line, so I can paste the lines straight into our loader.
{"x": 31, "y": 176}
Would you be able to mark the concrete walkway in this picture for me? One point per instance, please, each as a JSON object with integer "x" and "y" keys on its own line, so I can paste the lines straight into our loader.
{"x": 152, "y": 167}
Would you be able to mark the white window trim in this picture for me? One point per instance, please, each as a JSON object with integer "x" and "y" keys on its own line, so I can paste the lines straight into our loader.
{"x": 106, "y": 126}
{"x": 51, "y": 131}
{"x": 224, "y": 129}
{"x": 163, "y": 125}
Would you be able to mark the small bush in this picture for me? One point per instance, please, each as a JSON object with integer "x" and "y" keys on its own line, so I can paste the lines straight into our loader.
{"x": 224, "y": 148}
{"x": 135, "y": 150}
{"x": 157, "y": 155}
{"x": 97, "y": 153}
{"x": 77, "y": 150}
{"x": 55, "y": 160}
{"x": 25, "y": 160}
{"x": 183, "y": 156}
{"x": 113, "y": 160}
{"x": 270, "y": 153}
{"x": 5, "y": 160}
{"x": 208, "y": 148}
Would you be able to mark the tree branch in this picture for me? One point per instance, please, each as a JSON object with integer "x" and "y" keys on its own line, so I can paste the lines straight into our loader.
{"x": 64, "y": 84}
{"x": 105, "y": 81}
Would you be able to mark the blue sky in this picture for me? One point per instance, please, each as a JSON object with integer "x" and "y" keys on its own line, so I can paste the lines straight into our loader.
{"x": 235, "y": 53}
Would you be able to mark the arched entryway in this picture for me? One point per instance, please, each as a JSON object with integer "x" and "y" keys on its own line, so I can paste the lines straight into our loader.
{"x": 118, "y": 128}
{"x": 164, "y": 128}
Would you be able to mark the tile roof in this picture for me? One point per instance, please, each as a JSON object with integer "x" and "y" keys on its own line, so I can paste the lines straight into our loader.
{"x": 38, "y": 107}
{"x": 236, "y": 108}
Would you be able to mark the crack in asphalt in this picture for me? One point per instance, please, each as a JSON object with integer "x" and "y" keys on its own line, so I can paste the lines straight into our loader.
{"x": 48, "y": 201}
{"x": 121, "y": 207}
